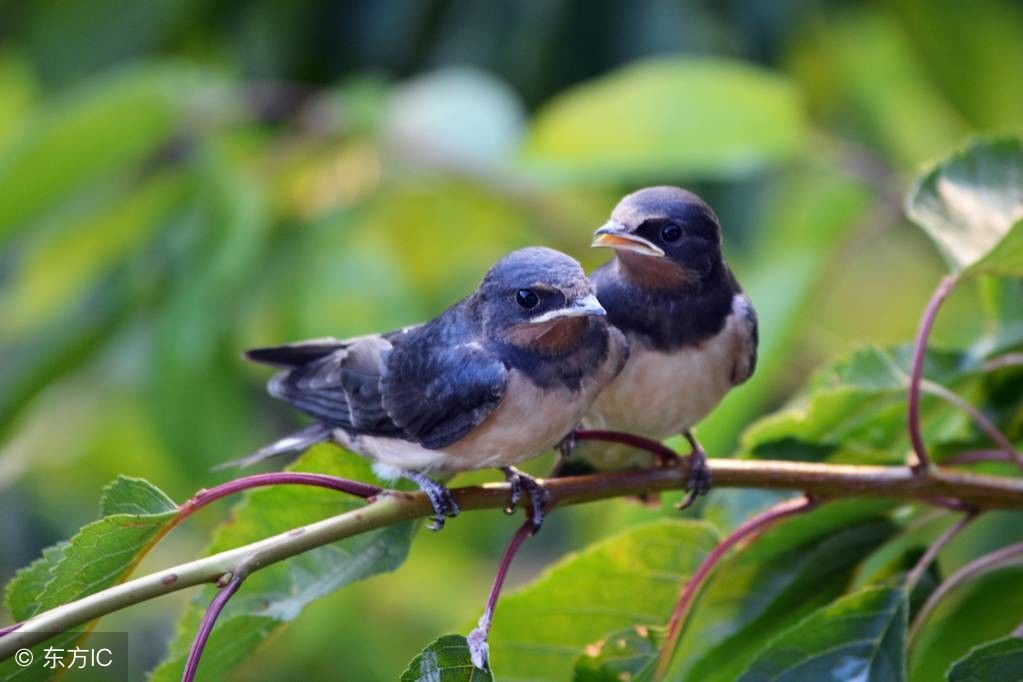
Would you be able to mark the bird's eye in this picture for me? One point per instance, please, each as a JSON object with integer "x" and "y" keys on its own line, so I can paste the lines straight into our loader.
{"x": 527, "y": 298}
{"x": 671, "y": 233}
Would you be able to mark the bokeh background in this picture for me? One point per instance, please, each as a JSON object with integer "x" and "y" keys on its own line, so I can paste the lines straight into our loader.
{"x": 180, "y": 180}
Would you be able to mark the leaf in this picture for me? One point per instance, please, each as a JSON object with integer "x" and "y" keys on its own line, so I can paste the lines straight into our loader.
{"x": 621, "y": 656}
{"x": 975, "y": 613}
{"x": 859, "y": 637}
{"x": 278, "y": 593}
{"x": 91, "y": 134}
{"x": 783, "y": 576}
{"x": 454, "y": 118}
{"x": 626, "y": 580}
{"x": 100, "y": 555}
{"x": 971, "y": 203}
{"x": 679, "y": 116}
{"x": 22, "y": 593}
{"x": 199, "y": 399}
{"x": 854, "y": 408}
{"x": 997, "y": 661}
{"x": 807, "y": 219}
{"x": 445, "y": 660}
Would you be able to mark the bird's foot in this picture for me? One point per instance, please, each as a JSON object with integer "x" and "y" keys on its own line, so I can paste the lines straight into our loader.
{"x": 440, "y": 497}
{"x": 699, "y": 481}
{"x": 538, "y": 495}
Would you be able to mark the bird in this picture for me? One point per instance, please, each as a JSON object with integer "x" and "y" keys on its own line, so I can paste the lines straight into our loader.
{"x": 692, "y": 332}
{"x": 501, "y": 376}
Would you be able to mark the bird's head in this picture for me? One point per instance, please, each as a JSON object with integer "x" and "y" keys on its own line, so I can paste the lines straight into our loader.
{"x": 537, "y": 299}
{"x": 664, "y": 237}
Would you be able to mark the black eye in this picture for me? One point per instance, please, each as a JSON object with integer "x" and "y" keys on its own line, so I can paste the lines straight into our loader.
{"x": 671, "y": 233}
{"x": 527, "y": 299}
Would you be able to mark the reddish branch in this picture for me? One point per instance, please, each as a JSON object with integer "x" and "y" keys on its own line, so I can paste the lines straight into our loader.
{"x": 923, "y": 462}
{"x": 205, "y": 497}
{"x": 749, "y": 529}
{"x": 664, "y": 455}
{"x": 479, "y": 649}
{"x": 913, "y": 577}
{"x": 217, "y": 605}
{"x": 1012, "y": 555}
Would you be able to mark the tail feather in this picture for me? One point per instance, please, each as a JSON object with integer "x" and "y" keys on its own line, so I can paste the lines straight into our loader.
{"x": 294, "y": 443}
{"x": 292, "y": 355}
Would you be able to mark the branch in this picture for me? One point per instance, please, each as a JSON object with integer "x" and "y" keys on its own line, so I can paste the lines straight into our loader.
{"x": 208, "y": 620}
{"x": 923, "y": 462}
{"x": 751, "y": 528}
{"x": 1007, "y": 360}
{"x": 479, "y": 650}
{"x": 982, "y": 422}
{"x": 820, "y": 480}
{"x": 1006, "y": 556}
{"x": 913, "y": 577}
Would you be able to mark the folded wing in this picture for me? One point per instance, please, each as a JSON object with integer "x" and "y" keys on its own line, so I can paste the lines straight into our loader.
{"x": 406, "y": 385}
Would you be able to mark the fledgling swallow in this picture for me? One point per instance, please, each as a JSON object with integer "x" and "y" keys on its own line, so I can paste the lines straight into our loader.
{"x": 692, "y": 333}
{"x": 499, "y": 377}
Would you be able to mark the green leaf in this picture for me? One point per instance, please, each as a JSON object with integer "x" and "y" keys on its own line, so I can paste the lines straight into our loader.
{"x": 975, "y": 613}
{"x": 445, "y": 660}
{"x": 621, "y": 656}
{"x": 810, "y": 215}
{"x": 997, "y": 661}
{"x": 21, "y": 596}
{"x": 198, "y": 395}
{"x": 92, "y": 134}
{"x": 783, "y": 576}
{"x": 854, "y": 408}
{"x": 626, "y": 580}
{"x": 683, "y": 116}
{"x": 971, "y": 204}
{"x": 100, "y": 555}
{"x": 1006, "y": 258}
{"x": 278, "y": 593}
{"x": 859, "y": 637}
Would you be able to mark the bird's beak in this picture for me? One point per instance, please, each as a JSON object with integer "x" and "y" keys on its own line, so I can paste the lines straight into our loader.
{"x": 617, "y": 236}
{"x": 588, "y": 306}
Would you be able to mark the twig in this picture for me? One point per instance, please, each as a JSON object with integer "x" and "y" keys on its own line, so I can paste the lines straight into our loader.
{"x": 1007, "y": 360}
{"x": 9, "y": 628}
{"x": 975, "y": 456}
{"x": 389, "y": 508}
{"x": 217, "y": 605}
{"x": 923, "y": 462}
{"x": 205, "y": 497}
{"x": 479, "y": 650}
{"x": 750, "y": 528}
{"x": 1006, "y": 556}
{"x": 982, "y": 422}
{"x": 913, "y": 577}
{"x": 664, "y": 455}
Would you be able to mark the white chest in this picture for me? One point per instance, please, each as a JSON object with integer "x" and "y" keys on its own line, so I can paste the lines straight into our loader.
{"x": 528, "y": 421}
{"x": 662, "y": 394}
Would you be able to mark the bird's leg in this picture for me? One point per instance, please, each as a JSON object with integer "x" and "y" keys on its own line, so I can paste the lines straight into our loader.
{"x": 699, "y": 474}
{"x": 564, "y": 448}
{"x": 538, "y": 495}
{"x": 567, "y": 445}
{"x": 440, "y": 497}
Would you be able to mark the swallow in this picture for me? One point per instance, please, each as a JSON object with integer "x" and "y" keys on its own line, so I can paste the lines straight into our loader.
{"x": 500, "y": 377}
{"x": 692, "y": 332}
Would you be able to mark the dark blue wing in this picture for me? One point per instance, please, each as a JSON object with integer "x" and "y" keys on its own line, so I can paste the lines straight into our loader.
{"x": 436, "y": 392}
{"x": 341, "y": 388}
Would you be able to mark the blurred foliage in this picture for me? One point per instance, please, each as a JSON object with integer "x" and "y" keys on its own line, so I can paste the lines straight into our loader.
{"x": 182, "y": 180}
